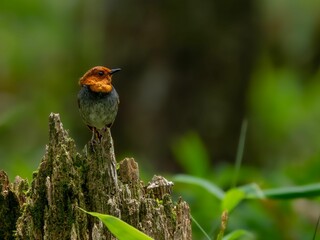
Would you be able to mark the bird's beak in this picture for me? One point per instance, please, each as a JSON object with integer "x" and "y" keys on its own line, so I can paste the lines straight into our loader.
{"x": 115, "y": 70}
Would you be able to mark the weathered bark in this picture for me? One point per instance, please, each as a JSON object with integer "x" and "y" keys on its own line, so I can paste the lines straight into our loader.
{"x": 11, "y": 199}
{"x": 91, "y": 180}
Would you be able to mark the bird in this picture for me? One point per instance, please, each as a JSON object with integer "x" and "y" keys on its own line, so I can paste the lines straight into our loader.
{"x": 98, "y": 100}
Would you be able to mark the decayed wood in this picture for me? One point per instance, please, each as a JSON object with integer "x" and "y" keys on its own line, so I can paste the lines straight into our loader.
{"x": 66, "y": 180}
{"x": 11, "y": 199}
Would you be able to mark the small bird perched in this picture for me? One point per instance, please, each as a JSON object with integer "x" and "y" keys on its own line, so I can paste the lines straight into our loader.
{"x": 98, "y": 100}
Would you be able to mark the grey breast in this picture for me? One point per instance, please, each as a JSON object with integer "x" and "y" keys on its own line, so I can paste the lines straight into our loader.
{"x": 98, "y": 109}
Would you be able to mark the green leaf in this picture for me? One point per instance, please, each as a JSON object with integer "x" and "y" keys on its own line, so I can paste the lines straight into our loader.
{"x": 207, "y": 185}
{"x": 310, "y": 190}
{"x": 253, "y": 191}
{"x": 119, "y": 228}
{"x": 232, "y": 198}
{"x": 237, "y": 234}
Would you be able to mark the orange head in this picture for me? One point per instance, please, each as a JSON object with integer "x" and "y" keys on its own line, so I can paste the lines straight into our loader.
{"x": 98, "y": 79}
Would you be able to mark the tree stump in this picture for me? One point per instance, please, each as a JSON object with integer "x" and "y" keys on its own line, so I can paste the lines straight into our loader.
{"x": 92, "y": 180}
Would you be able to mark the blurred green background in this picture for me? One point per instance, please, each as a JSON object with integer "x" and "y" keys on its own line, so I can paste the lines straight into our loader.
{"x": 192, "y": 72}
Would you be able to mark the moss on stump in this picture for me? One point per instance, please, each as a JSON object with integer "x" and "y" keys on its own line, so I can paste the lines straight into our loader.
{"x": 66, "y": 180}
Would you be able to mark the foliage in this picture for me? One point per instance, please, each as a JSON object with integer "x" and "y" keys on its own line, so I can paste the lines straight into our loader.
{"x": 233, "y": 198}
{"x": 119, "y": 228}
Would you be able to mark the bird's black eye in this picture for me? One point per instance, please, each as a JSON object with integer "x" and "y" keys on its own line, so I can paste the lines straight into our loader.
{"x": 101, "y": 73}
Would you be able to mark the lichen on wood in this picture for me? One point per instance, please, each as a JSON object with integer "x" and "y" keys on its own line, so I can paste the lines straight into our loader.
{"x": 92, "y": 180}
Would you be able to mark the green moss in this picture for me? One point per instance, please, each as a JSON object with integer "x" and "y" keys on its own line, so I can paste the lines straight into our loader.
{"x": 34, "y": 174}
{"x": 168, "y": 208}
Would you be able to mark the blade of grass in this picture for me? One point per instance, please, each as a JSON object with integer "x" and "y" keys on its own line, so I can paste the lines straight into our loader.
{"x": 316, "y": 230}
{"x": 240, "y": 151}
{"x": 310, "y": 190}
{"x": 119, "y": 228}
{"x": 209, "y": 186}
{"x": 253, "y": 191}
{"x": 199, "y": 226}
